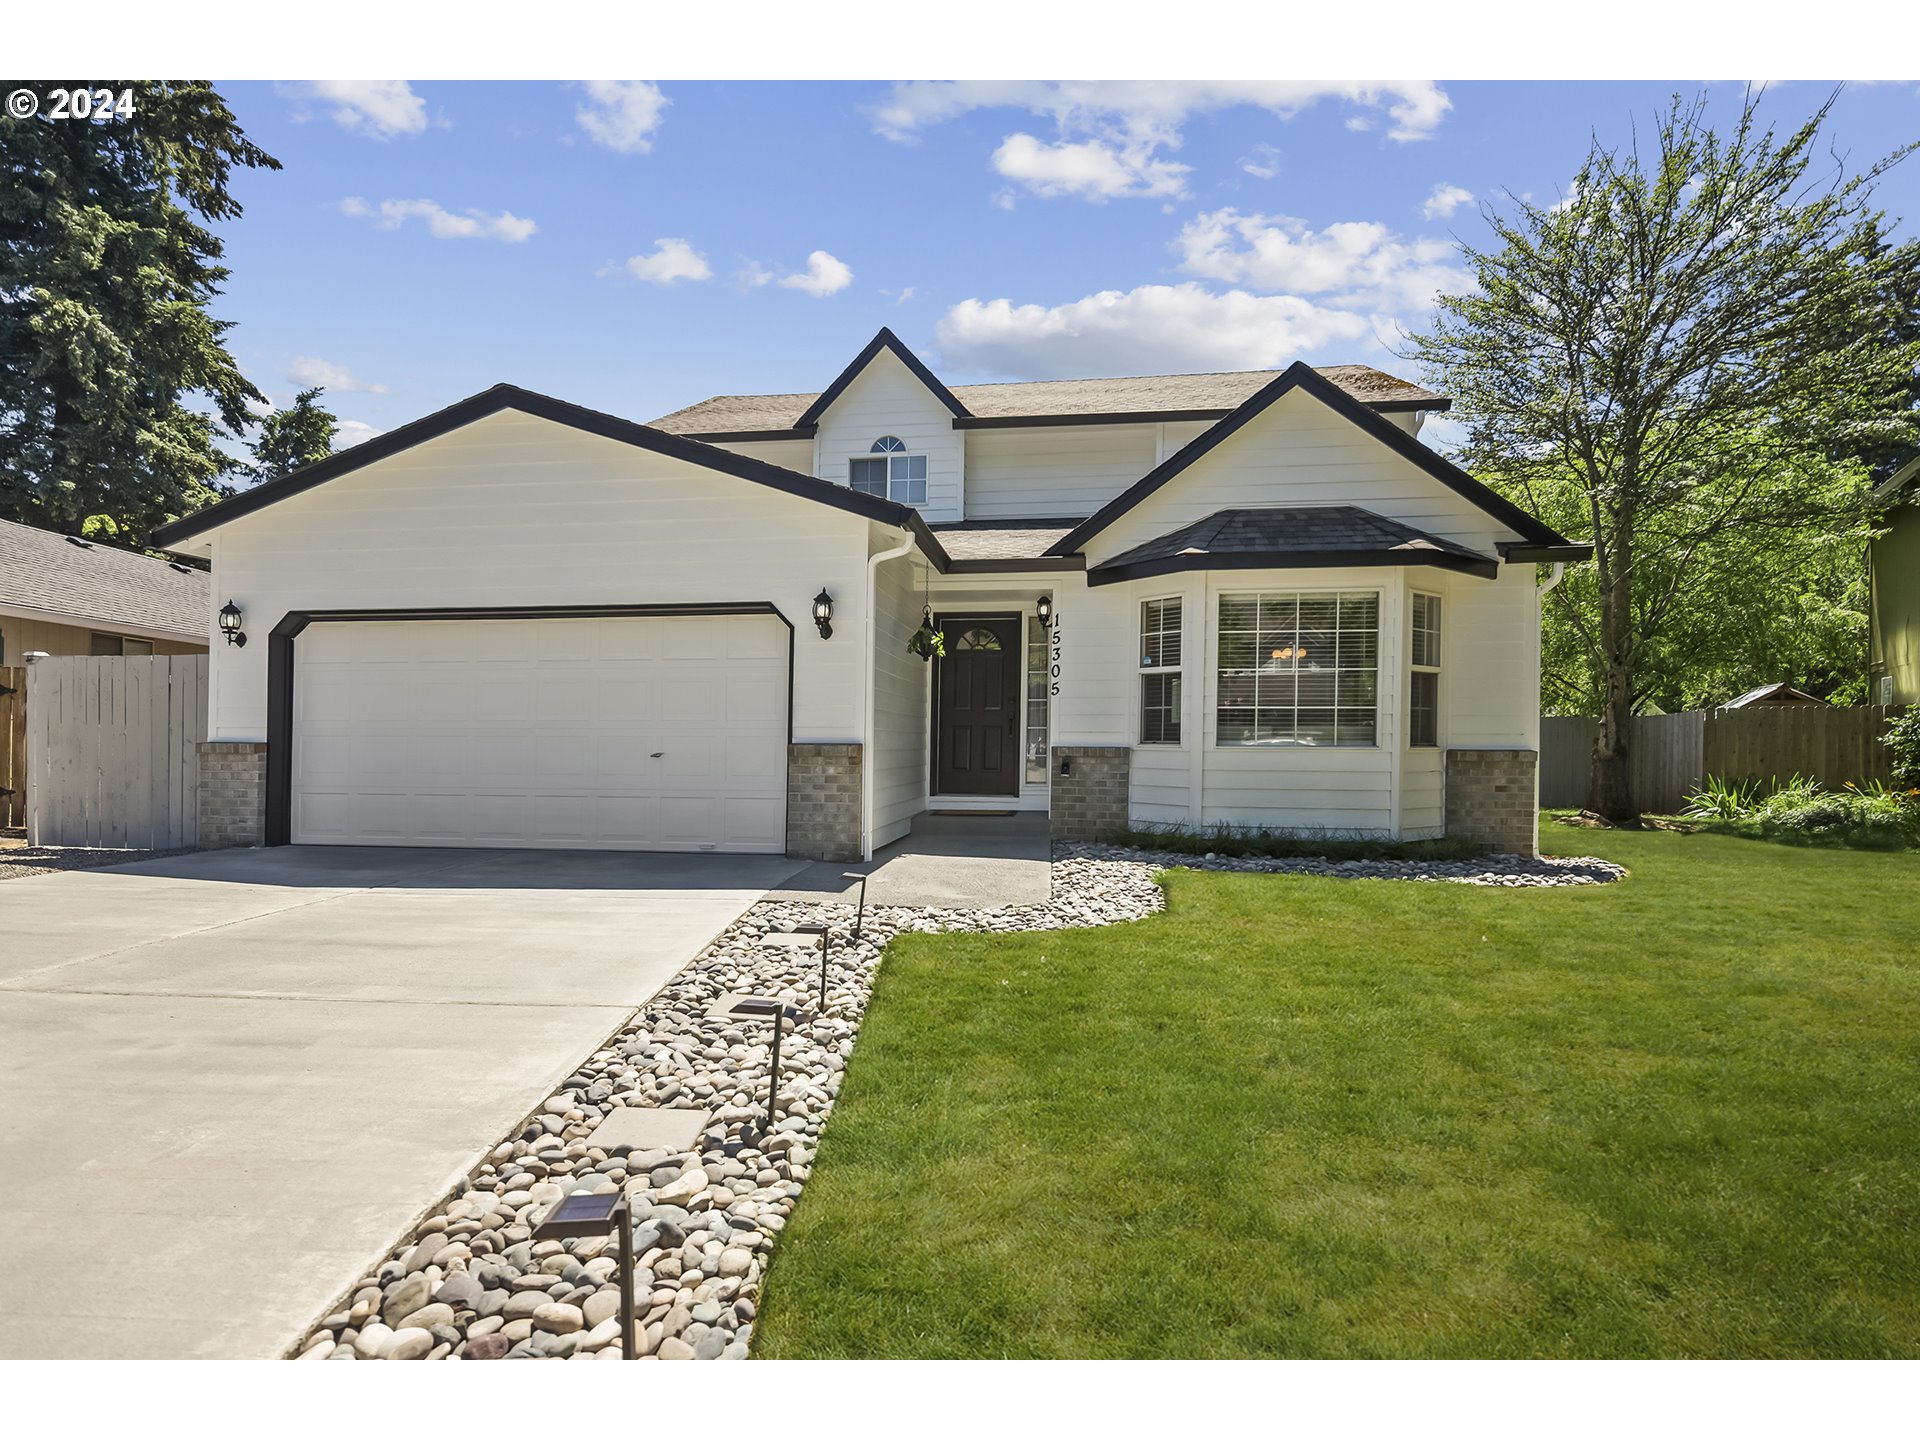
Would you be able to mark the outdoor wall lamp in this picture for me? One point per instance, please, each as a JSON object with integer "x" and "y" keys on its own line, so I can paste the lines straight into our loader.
{"x": 578, "y": 1216}
{"x": 823, "y": 613}
{"x": 230, "y": 624}
{"x": 1043, "y": 607}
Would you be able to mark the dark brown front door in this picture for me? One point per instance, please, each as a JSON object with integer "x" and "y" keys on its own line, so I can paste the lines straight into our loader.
{"x": 976, "y": 706}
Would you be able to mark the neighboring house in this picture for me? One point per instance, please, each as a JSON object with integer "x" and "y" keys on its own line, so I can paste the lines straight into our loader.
{"x": 61, "y": 595}
{"x": 520, "y": 622}
{"x": 1763, "y": 697}
{"x": 1893, "y": 581}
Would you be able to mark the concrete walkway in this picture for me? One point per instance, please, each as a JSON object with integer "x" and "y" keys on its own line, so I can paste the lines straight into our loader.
{"x": 964, "y": 862}
{"x": 228, "y": 1078}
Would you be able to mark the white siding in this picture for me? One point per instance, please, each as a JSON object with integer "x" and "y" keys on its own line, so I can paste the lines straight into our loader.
{"x": 1423, "y": 794}
{"x": 1299, "y": 452}
{"x": 794, "y": 455}
{"x": 901, "y": 689}
{"x": 1041, "y": 473}
{"x": 888, "y": 399}
{"x": 1490, "y": 682}
{"x": 515, "y": 510}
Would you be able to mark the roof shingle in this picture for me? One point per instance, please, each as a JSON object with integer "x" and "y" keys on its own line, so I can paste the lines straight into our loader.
{"x": 1290, "y": 535}
{"x": 98, "y": 584}
{"x": 1143, "y": 395}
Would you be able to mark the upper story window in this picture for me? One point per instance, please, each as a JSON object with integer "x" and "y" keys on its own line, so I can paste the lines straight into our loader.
{"x": 890, "y": 472}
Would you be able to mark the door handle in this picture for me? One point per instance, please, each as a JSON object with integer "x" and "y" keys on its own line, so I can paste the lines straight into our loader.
{"x": 1013, "y": 723}
{"x": 656, "y": 754}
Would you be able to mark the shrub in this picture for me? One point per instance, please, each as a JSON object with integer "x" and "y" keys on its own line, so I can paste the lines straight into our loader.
{"x": 1903, "y": 745}
{"x": 1870, "y": 817}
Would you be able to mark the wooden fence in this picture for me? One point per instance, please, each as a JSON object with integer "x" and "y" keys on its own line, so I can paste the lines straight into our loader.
{"x": 113, "y": 750}
{"x": 13, "y": 746}
{"x": 1669, "y": 755}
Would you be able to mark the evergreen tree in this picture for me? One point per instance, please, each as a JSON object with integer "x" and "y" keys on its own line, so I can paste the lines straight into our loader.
{"x": 106, "y": 340}
{"x": 297, "y": 435}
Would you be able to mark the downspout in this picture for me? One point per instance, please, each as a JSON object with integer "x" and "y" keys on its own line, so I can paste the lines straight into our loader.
{"x": 1559, "y": 571}
{"x": 868, "y": 678}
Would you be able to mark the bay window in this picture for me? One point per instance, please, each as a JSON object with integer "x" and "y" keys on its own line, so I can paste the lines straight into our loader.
{"x": 1299, "y": 668}
{"x": 1160, "y": 672}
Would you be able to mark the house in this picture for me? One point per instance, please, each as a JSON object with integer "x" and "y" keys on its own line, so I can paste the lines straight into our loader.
{"x": 62, "y": 595}
{"x": 1893, "y": 591}
{"x": 1251, "y": 599}
{"x": 1763, "y": 697}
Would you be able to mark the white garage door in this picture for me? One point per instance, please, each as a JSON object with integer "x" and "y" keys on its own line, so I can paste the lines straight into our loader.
{"x": 658, "y": 733}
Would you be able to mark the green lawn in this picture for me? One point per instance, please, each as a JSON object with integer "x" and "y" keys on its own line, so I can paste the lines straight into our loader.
{"x": 1292, "y": 1117}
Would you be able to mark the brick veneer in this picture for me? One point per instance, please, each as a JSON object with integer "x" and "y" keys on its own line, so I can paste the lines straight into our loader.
{"x": 1493, "y": 798}
{"x": 1090, "y": 803}
{"x": 823, "y": 801}
{"x": 233, "y": 793}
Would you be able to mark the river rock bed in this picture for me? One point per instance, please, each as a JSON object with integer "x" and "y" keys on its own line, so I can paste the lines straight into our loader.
{"x": 1520, "y": 871}
{"x": 471, "y": 1283}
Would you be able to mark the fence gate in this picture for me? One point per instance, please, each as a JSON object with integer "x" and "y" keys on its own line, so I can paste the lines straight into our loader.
{"x": 113, "y": 749}
{"x": 13, "y": 746}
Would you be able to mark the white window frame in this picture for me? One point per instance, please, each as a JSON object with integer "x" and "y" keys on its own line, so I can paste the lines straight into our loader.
{"x": 1217, "y": 665}
{"x": 1437, "y": 659}
{"x": 1178, "y": 700}
{"x": 891, "y": 454}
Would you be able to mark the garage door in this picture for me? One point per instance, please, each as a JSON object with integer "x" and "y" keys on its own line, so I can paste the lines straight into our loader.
{"x": 658, "y": 733}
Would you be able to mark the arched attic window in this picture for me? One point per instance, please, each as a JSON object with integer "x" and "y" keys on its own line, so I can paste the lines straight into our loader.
{"x": 889, "y": 472}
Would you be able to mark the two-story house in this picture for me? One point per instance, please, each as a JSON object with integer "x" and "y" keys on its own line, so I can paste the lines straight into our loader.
{"x": 1251, "y": 599}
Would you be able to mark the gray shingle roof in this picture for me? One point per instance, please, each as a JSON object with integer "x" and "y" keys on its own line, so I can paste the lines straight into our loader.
{"x": 98, "y": 584}
{"x": 1000, "y": 539}
{"x": 1290, "y": 535}
{"x": 1124, "y": 395}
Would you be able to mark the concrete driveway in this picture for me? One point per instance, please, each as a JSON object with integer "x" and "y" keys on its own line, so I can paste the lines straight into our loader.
{"x": 227, "y": 1080}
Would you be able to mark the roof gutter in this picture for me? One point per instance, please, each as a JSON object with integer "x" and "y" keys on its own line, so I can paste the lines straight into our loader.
{"x": 874, "y": 561}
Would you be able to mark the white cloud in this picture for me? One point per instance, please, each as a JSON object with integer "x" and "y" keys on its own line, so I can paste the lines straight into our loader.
{"x": 672, "y": 261}
{"x": 380, "y": 108}
{"x": 1091, "y": 169}
{"x": 823, "y": 276}
{"x": 306, "y": 371}
{"x": 622, "y": 114}
{"x": 442, "y": 223}
{"x": 1414, "y": 108}
{"x": 1153, "y": 329}
{"x": 1262, "y": 162}
{"x": 1111, "y": 132}
{"x": 1351, "y": 265}
{"x": 1444, "y": 200}
{"x": 353, "y": 432}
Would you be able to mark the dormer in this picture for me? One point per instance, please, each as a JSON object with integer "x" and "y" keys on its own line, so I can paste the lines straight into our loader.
{"x": 885, "y": 426}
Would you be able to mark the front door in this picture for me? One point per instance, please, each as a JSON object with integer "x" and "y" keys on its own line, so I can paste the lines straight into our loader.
{"x": 976, "y": 706}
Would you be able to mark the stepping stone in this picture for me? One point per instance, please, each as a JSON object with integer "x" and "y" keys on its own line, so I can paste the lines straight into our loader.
{"x": 650, "y": 1129}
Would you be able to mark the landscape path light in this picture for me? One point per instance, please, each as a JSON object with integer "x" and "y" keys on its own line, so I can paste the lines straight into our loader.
{"x": 766, "y": 1009}
{"x": 860, "y": 912}
{"x": 579, "y": 1216}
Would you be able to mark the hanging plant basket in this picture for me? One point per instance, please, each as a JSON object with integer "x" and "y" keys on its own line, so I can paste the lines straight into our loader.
{"x": 927, "y": 641}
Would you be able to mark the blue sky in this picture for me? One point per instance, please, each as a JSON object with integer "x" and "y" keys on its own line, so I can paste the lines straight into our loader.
{"x": 426, "y": 240}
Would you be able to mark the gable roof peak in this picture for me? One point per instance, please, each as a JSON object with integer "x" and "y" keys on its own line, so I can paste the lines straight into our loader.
{"x": 1302, "y": 376}
{"x": 885, "y": 340}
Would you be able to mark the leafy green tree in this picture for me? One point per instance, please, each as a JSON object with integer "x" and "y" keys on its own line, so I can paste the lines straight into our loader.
{"x": 1659, "y": 360}
{"x": 297, "y": 435}
{"x": 109, "y": 357}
